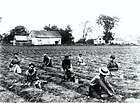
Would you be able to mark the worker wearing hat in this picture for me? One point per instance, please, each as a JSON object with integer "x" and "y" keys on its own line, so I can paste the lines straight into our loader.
{"x": 99, "y": 85}
{"x": 66, "y": 65}
{"x": 112, "y": 65}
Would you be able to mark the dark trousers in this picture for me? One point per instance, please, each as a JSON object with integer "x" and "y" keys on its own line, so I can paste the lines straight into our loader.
{"x": 69, "y": 76}
{"x": 94, "y": 92}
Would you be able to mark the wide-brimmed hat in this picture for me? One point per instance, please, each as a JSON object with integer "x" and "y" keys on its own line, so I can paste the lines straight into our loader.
{"x": 104, "y": 71}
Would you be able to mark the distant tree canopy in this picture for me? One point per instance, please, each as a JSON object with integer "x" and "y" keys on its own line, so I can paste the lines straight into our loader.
{"x": 107, "y": 23}
{"x": 6, "y": 39}
{"x": 18, "y": 30}
{"x": 83, "y": 41}
{"x": 90, "y": 41}
{"x": 1, "y": 37}
{"x": 66, "y": 33}
{"x": 51, "y": 28}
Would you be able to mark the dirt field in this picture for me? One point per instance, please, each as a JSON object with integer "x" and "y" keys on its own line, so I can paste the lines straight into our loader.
{"x": 125, "y": 81}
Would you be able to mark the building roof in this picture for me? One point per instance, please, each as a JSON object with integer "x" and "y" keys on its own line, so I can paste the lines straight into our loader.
{"x": 118, "y": 39}
{"x": 21, "y": 38}
{"x": 45, "y": 34}
{"x": 98, "y": 37}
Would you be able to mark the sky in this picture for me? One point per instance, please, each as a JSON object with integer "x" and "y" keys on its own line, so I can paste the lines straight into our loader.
{"x": 35, "y": 14}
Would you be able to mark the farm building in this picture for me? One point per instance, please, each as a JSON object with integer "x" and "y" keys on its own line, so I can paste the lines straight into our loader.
{"x": 138, "y": 40}
{"x": 99, "y": 40}
{"x": 45, "y": 37}
{"x": 117, "y": 41}
{"x": 129, "y": 39}
{"x": 21, "y": 40}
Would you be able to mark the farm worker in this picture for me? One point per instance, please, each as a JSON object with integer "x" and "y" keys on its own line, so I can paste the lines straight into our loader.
{"x": 99, "y": 85}
{"x": 80, "y": 60}
{"x": 32, "y": 77}
{"x": 70, "y": 58}
{"x": 112, "y": 65}
{"x": 47, "y": 60}
{"x": 14, "y": 64}
{"x": 66, "y": 65}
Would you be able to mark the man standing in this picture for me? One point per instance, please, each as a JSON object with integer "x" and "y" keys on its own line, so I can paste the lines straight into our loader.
{"x": 66, "y": 65}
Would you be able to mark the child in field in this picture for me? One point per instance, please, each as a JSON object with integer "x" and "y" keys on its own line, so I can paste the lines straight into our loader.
{"x": 47, "y": 61}
{"x": 99, "y": 85}
{"x": 112, "y": 65}
{"x": 66, "y": 65}
{"x": 80, "y": 60}
{"x": 15, "y": 64}
{"x": 31, "y": 76}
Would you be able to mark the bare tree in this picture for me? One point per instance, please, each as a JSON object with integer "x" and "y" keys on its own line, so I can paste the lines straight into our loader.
{"x": 87, "y": 28}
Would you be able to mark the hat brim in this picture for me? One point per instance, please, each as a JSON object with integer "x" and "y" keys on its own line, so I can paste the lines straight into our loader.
{"x": 104, "y": 73}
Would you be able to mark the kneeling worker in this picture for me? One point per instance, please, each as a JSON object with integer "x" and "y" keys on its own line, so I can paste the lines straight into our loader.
{"x": 47, "y": 60}
{"x": 100, "y": 86}
{"x": 32, "y": 78}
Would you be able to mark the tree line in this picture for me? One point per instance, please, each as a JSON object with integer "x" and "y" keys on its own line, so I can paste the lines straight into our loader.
{"x": 107, "y": 22}
{"x": 66, "y": 33}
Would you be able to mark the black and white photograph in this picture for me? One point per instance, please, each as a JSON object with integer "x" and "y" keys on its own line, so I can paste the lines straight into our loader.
{"x": 70, "y": 51}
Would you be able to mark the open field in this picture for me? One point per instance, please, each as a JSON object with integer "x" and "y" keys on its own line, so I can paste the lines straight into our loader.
{"x": 126, "y": 82}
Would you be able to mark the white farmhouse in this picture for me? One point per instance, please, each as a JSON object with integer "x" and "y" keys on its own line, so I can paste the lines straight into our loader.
{"x": 45, "y": 37}
{"x": 21, "y": 40}
{"x": 99, "y": 40}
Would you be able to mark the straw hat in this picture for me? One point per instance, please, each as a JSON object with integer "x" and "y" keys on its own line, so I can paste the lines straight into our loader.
{"x": 104, "y": 71}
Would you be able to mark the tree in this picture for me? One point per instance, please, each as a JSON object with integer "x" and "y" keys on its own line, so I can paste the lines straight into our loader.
{"x": 1, "y": 37}
{"x": 5, "y": 38}
{"x": 108, "y": 24}
{"x": 66, "y": 33}
{"x": 0, "y": 19}
{"x": 18, "y": 30}
{"x": 86, "y": 29}
{"x": 51, "y": 28}
{"x": 81, "y": 40}
{"x": 90, "y": 41}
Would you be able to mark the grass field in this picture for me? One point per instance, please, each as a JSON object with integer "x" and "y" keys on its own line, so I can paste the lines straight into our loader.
{"x": 126, "y": 82}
